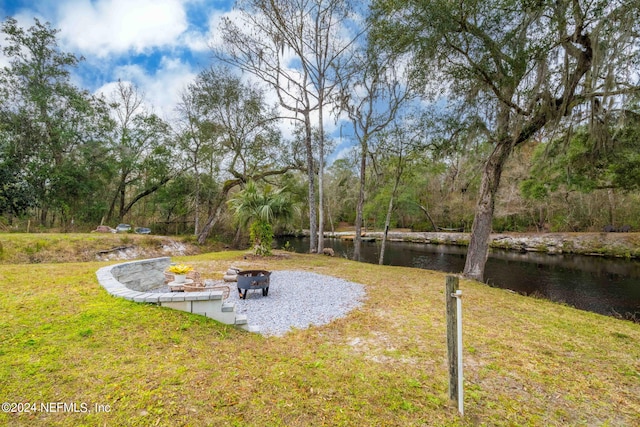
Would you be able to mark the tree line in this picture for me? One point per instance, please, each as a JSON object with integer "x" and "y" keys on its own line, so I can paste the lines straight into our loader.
{"x": 476, "y": 115}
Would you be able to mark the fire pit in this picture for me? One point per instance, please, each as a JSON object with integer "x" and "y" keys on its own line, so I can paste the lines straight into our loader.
{"x": 253, "y": 279}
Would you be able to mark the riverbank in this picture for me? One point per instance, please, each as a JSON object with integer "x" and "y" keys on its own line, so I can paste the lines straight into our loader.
{"x": 620, "y": 245}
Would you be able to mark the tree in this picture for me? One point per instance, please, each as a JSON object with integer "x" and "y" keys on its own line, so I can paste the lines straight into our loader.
{"x": 198, "y": 141}
{"x": 241, "y": 137}
{"x": 296, "y": 47}
{"x": 585, "y": 161}
{"x": 262, "y": 208}
{"x": 456, "y": 147}
{"x": 140, "y": 149}
{"x": 530, "y": 63}
{"x": 51, "y": 131}
{"x": 342, "y": 184}
{"x": 16, "y": 196}
{"x": 371, "y": 95}
{"x": 398, "y": 148}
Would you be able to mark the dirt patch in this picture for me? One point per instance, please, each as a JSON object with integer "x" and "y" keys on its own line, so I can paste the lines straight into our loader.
{"x": 168, "y": 248}
{"x": 274, "y": 257}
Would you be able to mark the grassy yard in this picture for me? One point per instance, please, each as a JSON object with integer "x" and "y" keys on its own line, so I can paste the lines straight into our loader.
{"x": 527, "y": 361}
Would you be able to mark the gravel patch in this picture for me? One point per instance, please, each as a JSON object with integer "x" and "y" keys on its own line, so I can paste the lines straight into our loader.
{"x": 298, "y": 299}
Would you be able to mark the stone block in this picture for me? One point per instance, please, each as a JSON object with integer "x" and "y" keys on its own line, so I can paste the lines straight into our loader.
{"x": 216, "y": 295}
{"x": 178, "y": 305}
{"x": 229, "y": 307}
{"x": 153, "y": 298}
{"x": 195, "y": 296}
{"x": 125, "y": 293}
{"x": 228, "y": 318}
{"x": 206, "y": 306}
{"x": 171, "y": 297}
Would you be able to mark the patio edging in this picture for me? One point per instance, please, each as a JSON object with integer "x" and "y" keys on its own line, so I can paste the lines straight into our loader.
{"x": 131, "y": 281}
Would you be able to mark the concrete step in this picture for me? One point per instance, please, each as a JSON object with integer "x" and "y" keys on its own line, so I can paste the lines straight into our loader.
{"x": 228, "y": 307}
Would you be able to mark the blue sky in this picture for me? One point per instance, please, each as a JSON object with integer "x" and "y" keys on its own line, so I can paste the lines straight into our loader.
{"x": 159, "y": 45}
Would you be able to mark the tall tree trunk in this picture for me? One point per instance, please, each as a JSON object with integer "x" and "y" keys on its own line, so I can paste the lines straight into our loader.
{"x": 43, "y": 215}
{"x": 236, "y": 239}
{"x": 320, "y": 177}
{"x": 387, "y": 223}
{"x": 112, "y": 208}
{"x": 196, "y": 213}
{"x": 313, "y": 224}
{"x": 121, "y": 211}
{"x": 357, "y": 240}
{"x": 212, "y": 220}
{"x": 478, "y": 250}
{"x": 216, "y": 211}
{"x": 114, "y": 201}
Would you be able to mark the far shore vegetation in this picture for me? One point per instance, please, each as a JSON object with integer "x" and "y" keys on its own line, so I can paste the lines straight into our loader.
{"x": 527, "y": 361}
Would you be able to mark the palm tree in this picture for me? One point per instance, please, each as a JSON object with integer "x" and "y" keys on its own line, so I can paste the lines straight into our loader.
{"x": 261, "y": 208}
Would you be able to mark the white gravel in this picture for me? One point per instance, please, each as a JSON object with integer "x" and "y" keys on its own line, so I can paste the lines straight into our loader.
{"x": 298, "y": 299}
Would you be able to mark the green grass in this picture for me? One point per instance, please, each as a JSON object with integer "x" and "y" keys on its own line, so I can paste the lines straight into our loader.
{"x": 527, "y": 361}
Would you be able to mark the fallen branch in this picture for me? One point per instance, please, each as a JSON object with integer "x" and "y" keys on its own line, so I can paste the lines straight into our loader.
{"x": 119, "y": 248}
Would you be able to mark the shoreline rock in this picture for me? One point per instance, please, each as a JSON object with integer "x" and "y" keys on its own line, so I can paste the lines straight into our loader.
{"x": 618, "y": 245}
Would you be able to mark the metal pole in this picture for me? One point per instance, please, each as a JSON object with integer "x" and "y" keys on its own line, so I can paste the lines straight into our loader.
{"x": 458, "y": 296}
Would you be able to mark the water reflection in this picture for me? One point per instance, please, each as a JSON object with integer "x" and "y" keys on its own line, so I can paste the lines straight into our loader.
{"x": 602, "y": 285}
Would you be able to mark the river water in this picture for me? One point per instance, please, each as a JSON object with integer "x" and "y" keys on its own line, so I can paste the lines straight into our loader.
{"x": 601, "y": 285}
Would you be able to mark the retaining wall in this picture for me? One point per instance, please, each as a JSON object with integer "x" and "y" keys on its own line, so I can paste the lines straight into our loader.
{"x": 133, "y": 280}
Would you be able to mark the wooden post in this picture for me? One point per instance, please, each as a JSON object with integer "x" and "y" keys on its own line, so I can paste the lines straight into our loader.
{"x": 451, "y": 287}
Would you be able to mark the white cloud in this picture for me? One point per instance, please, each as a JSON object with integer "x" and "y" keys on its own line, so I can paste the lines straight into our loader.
{"x": 150, "y": 43}
{"x": 195, "y": 41}
{"x": 110, "y": 33}
{"x": 165, "y": 87}
{"x": 104, "y": 27}
{"x": 214, "y": 38}
{"x": 161, "y": 90}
